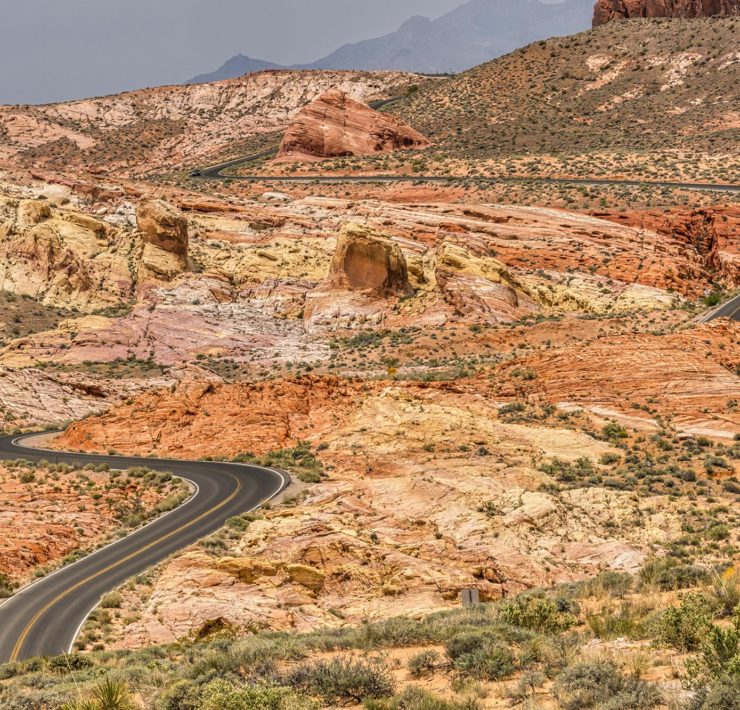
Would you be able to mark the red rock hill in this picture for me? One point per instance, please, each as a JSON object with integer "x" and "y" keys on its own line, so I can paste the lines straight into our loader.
{"x": 607, "y": 10}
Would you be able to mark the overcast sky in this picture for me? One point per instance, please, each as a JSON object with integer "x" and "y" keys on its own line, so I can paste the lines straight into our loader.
{"x": 53, "y": 50}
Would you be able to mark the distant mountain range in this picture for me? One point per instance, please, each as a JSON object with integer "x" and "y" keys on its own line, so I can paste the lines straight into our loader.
{"x": 474, "y": 33}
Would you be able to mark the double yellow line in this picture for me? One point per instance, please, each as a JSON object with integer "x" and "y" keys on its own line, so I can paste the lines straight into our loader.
{"x": 29, "y": 627}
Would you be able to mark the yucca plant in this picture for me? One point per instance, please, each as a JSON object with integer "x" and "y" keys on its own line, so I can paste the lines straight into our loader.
{"x": 108, "y": 695}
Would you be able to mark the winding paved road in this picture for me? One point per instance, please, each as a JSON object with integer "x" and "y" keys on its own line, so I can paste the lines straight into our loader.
{"x": 215, "y": 172}
{"x": 45, "y": 617}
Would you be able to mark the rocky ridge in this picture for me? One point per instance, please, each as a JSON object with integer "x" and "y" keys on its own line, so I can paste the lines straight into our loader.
{"x": 608, "y": 10}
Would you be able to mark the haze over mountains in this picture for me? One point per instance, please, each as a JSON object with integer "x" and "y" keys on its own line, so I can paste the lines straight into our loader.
{"x": 475, "y": 32}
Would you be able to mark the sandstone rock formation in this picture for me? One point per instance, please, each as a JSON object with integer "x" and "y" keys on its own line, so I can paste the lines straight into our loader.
{"x": 335, "y": 125}
{"x": 349, "y": 546}
{"x": 62, "y": 256}
{"x": 607, "y": 10}
{"x": 366, "y": 260}
{"x": 366, "y": 269}
{"x": 165, "y": 233}
{"x": 711, "y": 232}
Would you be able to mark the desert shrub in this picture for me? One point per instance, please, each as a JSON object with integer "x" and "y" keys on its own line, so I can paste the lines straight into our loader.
{"x": 7, "y": 586}
{"x": 599, "y": 684}
{"x": 480, "y": 654}
{"x": 723, "y": 695}
{"x": 256, "y": 657}
{"x": 423, "y": 664}
{"x": 614, "y": 432}
{"x": 527, "y": 687}
{"x": 221, "y": 695}
{"x": 725, "y": 589}
{"x": 566, "y": 472}
{"x": 181, "y": 695}
{"x": 342, "y": 680}
{"x": 113, "y": 600}
{"x": 685, "y": 627}
{"x": 69, "y": 662}
{"x": 415, "y": 698}
{"x": 488, "y": 663}
{"x": 537, "y": 613}
{"x": 669, "y": 574}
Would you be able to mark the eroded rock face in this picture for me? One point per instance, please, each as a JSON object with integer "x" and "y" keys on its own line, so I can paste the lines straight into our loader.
{"x": 711, "y": 232}
{"x": 607, "y": 10}
{"x": 366, "y": 260}
{"x": 367, "y": 269}
{"x": 61, "y": 256}
{"x": 335, "y": 125}
{"x": 165, "y": 234}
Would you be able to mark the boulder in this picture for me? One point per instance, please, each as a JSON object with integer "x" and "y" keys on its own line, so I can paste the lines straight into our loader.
{"x": 366, "y": 260}
{"x": 165, "y": 233}
{"x": 163, "y": 226}
{"x": 335, "y": 125}
{"x": 608, "y": 10}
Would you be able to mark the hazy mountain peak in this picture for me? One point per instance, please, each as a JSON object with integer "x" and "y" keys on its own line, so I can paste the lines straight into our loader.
{"x": 475, "y": 32}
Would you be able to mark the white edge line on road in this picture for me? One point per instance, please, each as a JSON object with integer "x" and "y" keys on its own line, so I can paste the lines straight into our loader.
{"x": 284, "y": 482}
{"x": 97, "y": 603}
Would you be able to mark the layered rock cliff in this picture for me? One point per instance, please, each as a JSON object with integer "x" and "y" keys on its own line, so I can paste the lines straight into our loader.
{"x": 607, "y": 10}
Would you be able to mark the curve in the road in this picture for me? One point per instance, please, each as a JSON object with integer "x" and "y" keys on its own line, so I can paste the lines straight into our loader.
{"x": 730, "y": 309}
{"x": 44, "y": 618}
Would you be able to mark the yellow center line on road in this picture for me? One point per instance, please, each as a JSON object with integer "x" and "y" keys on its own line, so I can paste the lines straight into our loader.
{"x": 29, "y": 627}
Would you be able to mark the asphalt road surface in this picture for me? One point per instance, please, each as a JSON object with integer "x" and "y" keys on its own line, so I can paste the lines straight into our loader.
{"x": 731, "y": 310}
{"x": 45, "y": 617}
{"x": 216, "y": 172}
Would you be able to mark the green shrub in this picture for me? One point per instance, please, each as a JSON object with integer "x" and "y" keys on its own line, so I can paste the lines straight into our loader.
{"x": 537, "y": 613}
{"x": 107, "y": 695}
{"x": 685, "y": 627}
{"x": 181, "y": 695}
{"x": 68, "y": 662}
{"x": 113, "y": 600}
{"x": 611, "y": 625}
{"x": 480, "y": 654}
{"x": 423, "y": 664}
{"x": 723, "y": 695}
{"x": 221, "y": 695}
{"x": 669, "y": 574}
{"x": 342, "y": 680}
{"x": 7, "y": 586}
{"x": 599, "y": 684}
{"x": 726, "y": 590}
{"x": 487, "y": 663}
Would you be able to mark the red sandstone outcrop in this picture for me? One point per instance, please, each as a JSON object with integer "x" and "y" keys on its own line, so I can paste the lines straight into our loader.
{"x": 711, "y": 232}
{"x": 607, "y": 10}
{"x": 335, "y": 125}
